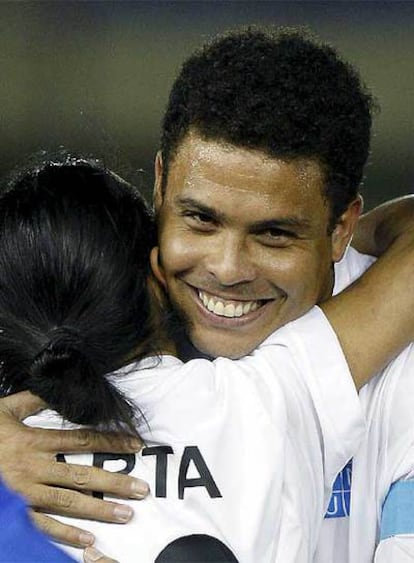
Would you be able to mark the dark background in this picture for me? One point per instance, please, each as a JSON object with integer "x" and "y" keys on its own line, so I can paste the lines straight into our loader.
{"x": 94, "y": 76}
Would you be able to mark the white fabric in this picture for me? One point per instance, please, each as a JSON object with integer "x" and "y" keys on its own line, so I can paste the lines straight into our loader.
{"x": 398, "y": 549}
{"x": 334, "y": 540}
{"x": 273, "y": 429}
{"x": 385, "y": 456}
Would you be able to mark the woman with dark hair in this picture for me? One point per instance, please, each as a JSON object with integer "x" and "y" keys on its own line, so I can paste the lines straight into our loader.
{"x": 75, "y": 242}
{"x": 82, "y": 325}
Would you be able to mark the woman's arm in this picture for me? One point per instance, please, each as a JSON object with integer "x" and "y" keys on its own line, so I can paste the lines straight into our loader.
{"x": 374, "y": 317}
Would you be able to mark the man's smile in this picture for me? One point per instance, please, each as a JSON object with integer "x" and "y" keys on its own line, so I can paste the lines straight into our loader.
{"x": 227, "y": 307}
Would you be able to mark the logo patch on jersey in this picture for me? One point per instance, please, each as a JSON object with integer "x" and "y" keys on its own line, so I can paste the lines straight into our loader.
{"x": 340, "y": 503}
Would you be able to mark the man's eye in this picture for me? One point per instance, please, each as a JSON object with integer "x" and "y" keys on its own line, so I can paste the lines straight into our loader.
{"x": 202, "y": 218}
{"x": 276, "y": 233}
{"x": 198, "y": 220}
{"x": 276, "y": 237}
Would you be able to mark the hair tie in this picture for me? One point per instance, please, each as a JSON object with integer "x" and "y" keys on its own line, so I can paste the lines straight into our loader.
{"x": 64, "y": 336}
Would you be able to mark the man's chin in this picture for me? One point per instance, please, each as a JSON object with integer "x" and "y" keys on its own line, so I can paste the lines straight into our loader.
{"x": 215, "y": 346}
{"x": 195, "y": 342}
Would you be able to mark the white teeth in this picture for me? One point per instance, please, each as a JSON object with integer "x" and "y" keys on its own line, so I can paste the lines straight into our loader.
{"x": 225, "y": 309}
{"x": 219, "y": 308}
{"x": 246, "y": 308}
{"x": 239, "y": 310}
{"x": 229, "y": 310}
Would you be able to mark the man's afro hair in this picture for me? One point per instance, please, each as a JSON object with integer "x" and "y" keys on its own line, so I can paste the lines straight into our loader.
{"x": 282, "y": 93}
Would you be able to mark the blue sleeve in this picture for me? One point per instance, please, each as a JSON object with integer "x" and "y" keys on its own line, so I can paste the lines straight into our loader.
{"x": 398, "y": 510}
{"x": 20, "y": 540}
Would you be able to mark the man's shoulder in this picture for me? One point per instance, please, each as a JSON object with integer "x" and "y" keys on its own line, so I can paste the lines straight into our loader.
{"x": 350, "y": 268}
{"x": 389, "y": 399}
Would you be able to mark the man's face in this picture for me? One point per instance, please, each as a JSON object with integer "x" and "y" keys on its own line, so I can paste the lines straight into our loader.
{"x": 244, "y": 244}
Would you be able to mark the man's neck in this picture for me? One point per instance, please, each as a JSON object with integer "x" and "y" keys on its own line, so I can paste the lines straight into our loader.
{"x": 187, "y": 351}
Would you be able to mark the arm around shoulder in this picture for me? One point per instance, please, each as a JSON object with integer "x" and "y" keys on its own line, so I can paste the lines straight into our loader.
{"x": 373, "y": 318}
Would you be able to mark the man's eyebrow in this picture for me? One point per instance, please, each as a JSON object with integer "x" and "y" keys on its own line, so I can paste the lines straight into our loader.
{"x": 189, "y": 202}
{"x": 295, "y": 223}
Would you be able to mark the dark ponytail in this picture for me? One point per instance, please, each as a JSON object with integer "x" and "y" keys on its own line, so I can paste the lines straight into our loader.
{"x": 74, "y": 306}
{"x": 63, "y": 369}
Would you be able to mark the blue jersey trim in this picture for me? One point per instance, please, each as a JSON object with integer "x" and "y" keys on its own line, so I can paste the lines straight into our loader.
{"x": 398, "y": 510}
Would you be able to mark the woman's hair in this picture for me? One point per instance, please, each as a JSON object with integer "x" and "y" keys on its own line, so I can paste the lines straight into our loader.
{"x": 74, "y": 260}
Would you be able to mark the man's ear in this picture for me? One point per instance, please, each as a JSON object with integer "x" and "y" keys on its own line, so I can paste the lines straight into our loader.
{"x": 156, "y": 266}
{"x": 344, "y": 228}
{"x": 158, "y": 169}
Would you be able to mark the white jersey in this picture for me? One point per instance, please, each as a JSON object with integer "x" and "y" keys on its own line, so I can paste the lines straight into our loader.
{"x": 240, "y": 455}
{"x": 373, "y": 519}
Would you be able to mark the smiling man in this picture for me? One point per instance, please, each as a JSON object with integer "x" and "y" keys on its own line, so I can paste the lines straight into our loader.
{"x": 245, "y": 242}
{"x": 263, "y": 146}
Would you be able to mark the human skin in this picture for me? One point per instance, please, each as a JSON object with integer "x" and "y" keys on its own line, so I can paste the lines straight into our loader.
{"x": 57, "y": 489}
{"x": 53, "y": 488}
{"x": 92, "y": 555}
{"x": 28, "y": 465}
{"x": 244, "y": 241}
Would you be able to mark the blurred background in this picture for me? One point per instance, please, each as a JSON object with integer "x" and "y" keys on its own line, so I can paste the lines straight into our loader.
{"x": 95, "y": 76}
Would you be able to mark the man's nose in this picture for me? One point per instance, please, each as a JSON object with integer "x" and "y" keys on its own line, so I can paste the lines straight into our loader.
{"x": 229, "y": 260}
